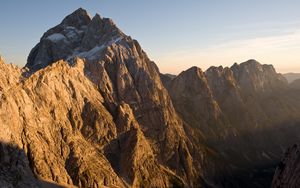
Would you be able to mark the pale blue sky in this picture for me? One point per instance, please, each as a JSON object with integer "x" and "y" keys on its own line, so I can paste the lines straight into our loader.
{"x": 175, "y": 34}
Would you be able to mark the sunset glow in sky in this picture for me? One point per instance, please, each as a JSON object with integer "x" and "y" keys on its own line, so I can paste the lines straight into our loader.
{"x": 175, "y": 34}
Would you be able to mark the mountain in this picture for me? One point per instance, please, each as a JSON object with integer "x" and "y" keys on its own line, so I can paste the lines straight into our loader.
{"x": 89, "y": 109}
{"x": 287, "y": 172}
{"x": 194, "y": 102}
{"x": 77, "y": 35}
{"x": 247, "y": 113}
{"x": 291, "y": 76}
{"x": 295, "y": 84}
{"x": 165, "y": 78}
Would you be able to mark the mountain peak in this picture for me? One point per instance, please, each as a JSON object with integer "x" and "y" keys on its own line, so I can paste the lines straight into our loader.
{"x": 77, "y": 35}
{"x": 193, "y": 70}
{"x": 253, "y": 66}
{"x": 97, "y": 17}
{"x": 80, "y": 10}
{"x": 251, "y": 63}
{"x": 78, "y": 18}
{"x": 253, "y": 76}
{"x": 215, "y": 69}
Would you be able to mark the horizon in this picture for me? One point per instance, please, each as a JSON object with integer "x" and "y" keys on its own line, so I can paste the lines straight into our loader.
{"x": 176, "y": 36}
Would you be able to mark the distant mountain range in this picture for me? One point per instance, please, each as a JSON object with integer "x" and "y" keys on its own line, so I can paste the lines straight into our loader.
{"x": 291, "y": 76}
{"x": 90, "y": 109}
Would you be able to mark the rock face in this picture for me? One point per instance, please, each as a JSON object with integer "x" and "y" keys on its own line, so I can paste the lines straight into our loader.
{"x": 247, "y": 108}
{"x": 9, "y": 75}
{"x": 195, "y": 103}
{"x": 63, "y": 113}
{"x": 165, "y": 78}
{"x": 252, "y": 77}
{"x": 51, "y": 106}
{"x": 287, "y": 172}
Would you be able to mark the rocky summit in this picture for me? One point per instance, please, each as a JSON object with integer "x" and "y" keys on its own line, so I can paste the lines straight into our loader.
{"x": 90, "y": 109}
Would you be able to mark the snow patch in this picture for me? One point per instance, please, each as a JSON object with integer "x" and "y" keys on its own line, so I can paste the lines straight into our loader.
{"x": 95, "y": 52}
{"x": 70, "y": 28}
{"x": 56, "y": 37}
{"x": 72, "y": 35}
{"x": 117, "y": 39}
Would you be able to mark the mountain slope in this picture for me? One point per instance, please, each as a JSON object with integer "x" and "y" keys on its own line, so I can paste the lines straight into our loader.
{"x": 287, "y": 172}
{"x": 295, "y": 84}
{"x": 246, "y": 112}
{"x": 43, "y": 103}
{"x": 195, "y": 103}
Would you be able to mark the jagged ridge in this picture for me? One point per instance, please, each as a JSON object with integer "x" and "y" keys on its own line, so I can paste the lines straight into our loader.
{"x": 234, "y": 110}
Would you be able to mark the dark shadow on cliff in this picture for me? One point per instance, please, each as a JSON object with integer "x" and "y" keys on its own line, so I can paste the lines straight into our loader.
{"x": 15, "y": 169}
{"x": 254, "y": 155}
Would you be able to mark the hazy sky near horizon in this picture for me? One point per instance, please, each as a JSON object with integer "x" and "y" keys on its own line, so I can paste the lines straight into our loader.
{"x": 175, "y": 34}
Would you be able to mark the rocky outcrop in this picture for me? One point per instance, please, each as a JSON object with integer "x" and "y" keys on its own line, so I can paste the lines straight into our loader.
{"x": 9, "y": 75}
{"x": 287, "y": 172}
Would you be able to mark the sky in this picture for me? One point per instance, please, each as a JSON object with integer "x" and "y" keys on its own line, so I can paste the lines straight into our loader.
{"x": 175, "y": 34}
